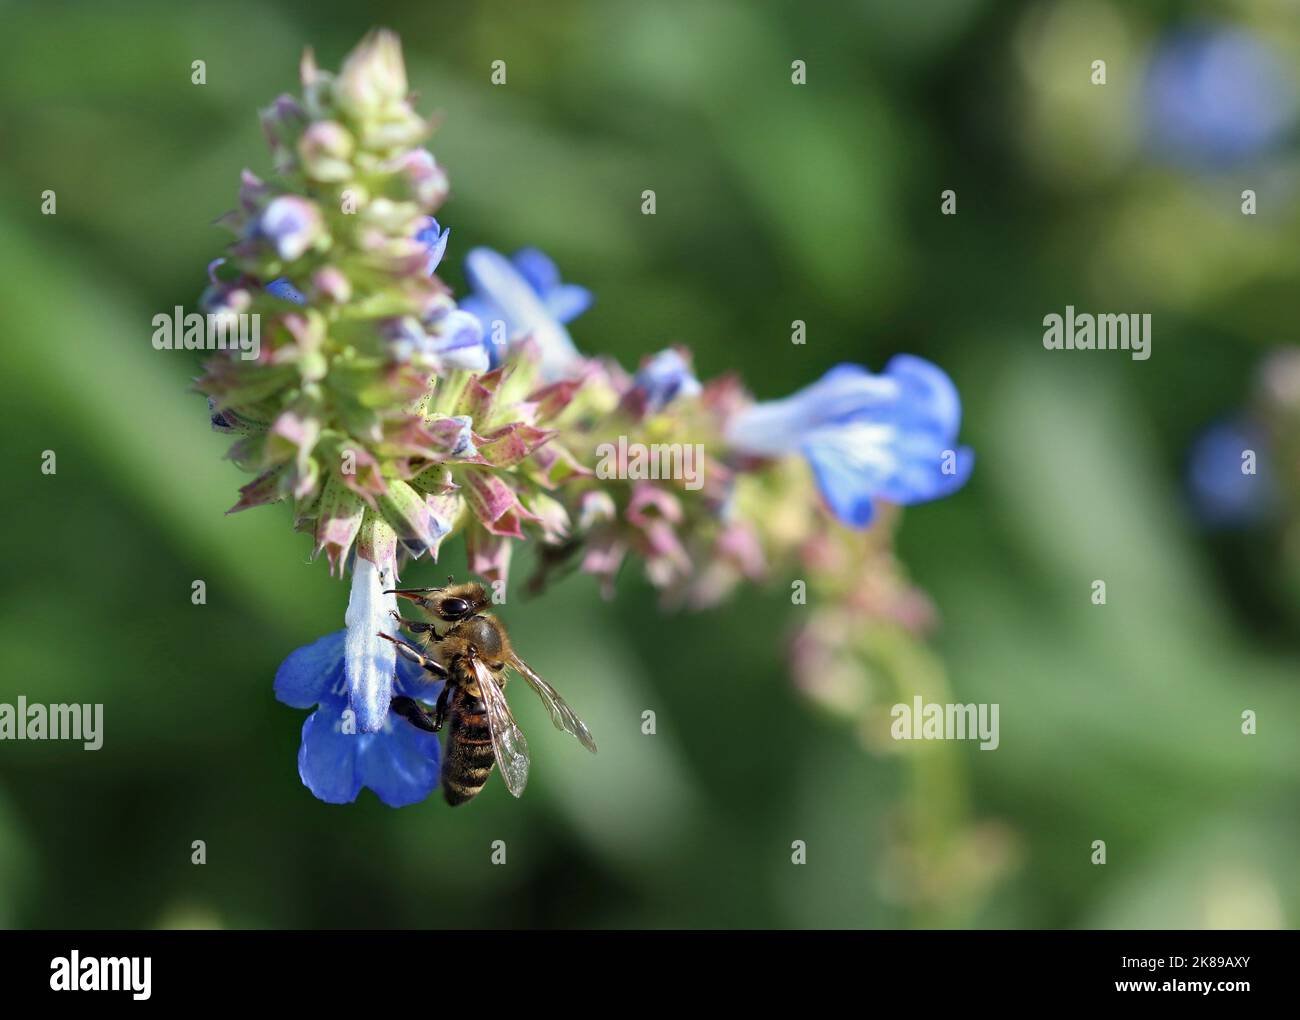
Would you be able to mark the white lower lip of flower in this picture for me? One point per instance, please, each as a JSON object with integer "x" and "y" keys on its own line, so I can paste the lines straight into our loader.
{"x": 523, "y": 310}
{"x": 775, "y": 427}
{"x": 558, "y": 353}
{"x": 862, "y": 446}
{"x": 369, "y": 661}
{"x": 467, "y": 359}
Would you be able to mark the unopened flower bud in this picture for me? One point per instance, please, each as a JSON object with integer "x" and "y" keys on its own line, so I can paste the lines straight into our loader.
{"x": 337, "y": 523}
{"x": 325, "y": 148}
{"x": 291, "y": 224}
{"x": 408, "y": 514}
{"x": 373, "y": 77}
{"x": 424, "y": 181}
{"x": 330, "y": 283}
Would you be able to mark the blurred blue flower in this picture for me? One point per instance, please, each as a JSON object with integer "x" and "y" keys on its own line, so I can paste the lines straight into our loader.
{"x": 525, "y": 296}
{"x": 399, "y": 761}
{"x": 1216, "y": 95}
{"x": 664, "y": 378}
{"x": 285, "y": 290}
{"x": 292, "y": 225}
{"x": 452, "y": 335}
{"x": 434, "y": 238}
{"x": 456, "y": 335}
{"x": 1224, "y": 493}
{"x": 457, "y": 339}
{"x": 867, "y": 437}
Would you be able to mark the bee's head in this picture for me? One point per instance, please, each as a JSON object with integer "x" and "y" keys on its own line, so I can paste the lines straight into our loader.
{"x": 451, "y": 604}
{"x": 459, "y": 602}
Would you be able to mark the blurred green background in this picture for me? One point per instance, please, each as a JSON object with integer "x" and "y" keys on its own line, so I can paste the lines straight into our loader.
{"x": 775, "y": 203}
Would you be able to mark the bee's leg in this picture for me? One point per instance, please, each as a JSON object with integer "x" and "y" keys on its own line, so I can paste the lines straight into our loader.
{"x": 410, "y": 652}
{"x": 415, "y": 713}
{"x": 415, "y": 626}
{"x": 440, "y": 709}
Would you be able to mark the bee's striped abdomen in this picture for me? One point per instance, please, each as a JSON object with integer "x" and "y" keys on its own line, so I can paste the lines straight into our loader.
{"x": 469, "y": 758}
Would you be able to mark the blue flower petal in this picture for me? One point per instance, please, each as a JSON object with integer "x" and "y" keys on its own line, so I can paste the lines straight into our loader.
{"x": 400, "y": 764}
{"x": 482, "y": 309}
{"x": 327, "y": 759}
{"x": 503, "y": 293}
{"x": 567, "y": 301}
{"x": 312, "y": 674}
{"x": 291, "y": 223}
{"x": 434, "y": 238}
{"x": 857, "y": 464}
{"x": 1223, "y": 495}
{"x": 455, "y": 330}
{"x": 924, "y": 472}
{"x": 399, "y": 761}
{"x": 459, "y": 341}
{"x": 845, "y": 394}
{"x": 538, "y": 269}
{"x": 1215, "y": 95}
{"x": 850, "y": 472}
{"x": 664, "y": 378}
{"x": 495, "y": 279}
{"x": 928, "y": 399}
{"x": 286, "y": 291}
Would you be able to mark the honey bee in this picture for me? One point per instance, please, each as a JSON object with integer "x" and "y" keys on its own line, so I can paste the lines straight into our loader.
{"x": 470, "y": 651}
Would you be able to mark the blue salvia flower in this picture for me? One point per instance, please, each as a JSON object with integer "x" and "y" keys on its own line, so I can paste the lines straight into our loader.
{"x": 285, "y": 290}
{"x": 867, "y": 437}
{"x": 1216, "y": 95}
{"x": 665, "y": 377}
{"x": 398, "y": 761}
{"x": 292, "y": 224}
{"x": 453, "y": 336}
{"x": 434, "y": 238}
{"x": 456, "y": 337}
{"x": 525, "y": 297}
{"x": 1223, "y": 495}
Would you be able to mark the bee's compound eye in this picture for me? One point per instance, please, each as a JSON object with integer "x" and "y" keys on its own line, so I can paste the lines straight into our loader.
{"x": 451, "y": 609}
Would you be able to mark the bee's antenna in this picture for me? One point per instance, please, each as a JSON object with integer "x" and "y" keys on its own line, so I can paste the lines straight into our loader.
{"x": 409, "y": 591}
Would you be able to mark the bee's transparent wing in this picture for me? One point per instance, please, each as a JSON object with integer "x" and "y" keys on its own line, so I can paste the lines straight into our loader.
{"x": 508, "y": 741}
{"x": 562, "y": 715}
